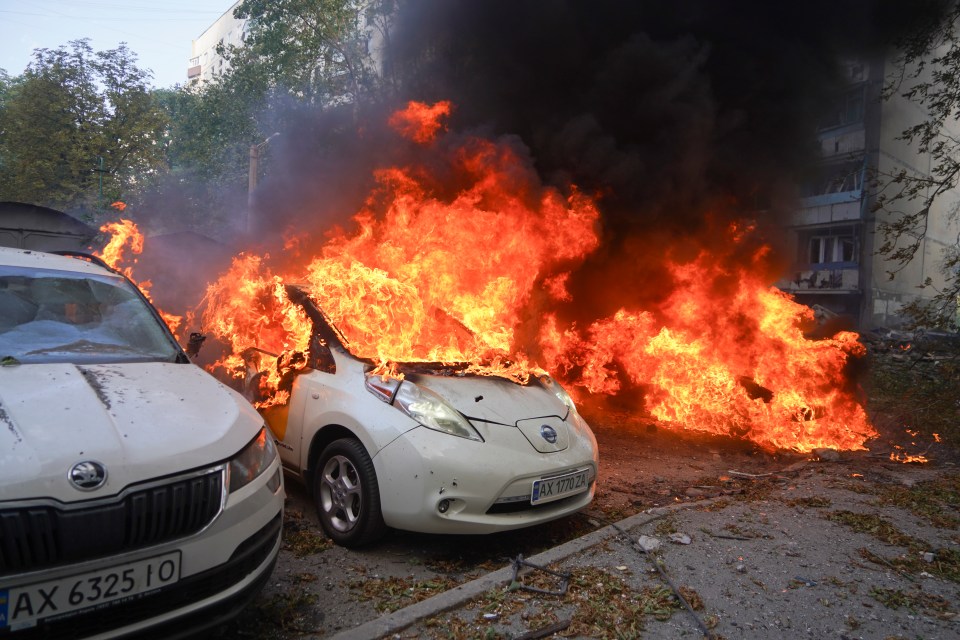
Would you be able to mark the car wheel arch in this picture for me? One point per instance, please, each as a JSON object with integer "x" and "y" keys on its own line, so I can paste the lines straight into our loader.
{"x": 323, "y": 437}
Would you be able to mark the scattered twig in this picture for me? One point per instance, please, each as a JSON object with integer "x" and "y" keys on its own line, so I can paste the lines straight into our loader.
{"x": 743, "y": 474}
{"x": 515, "y": 583}
{"x": 543, "y": 632}
{"x": 724, "y": 536}
{"x": 663, "y": 576}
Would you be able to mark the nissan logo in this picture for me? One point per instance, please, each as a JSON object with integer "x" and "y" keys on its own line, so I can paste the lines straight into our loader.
{"x": 87, "y": 475}
{"x": 548, "y": 433}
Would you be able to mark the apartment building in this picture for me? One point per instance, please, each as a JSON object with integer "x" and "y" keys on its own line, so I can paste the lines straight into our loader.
{"x": 205, "y": 63}
{"x": 833, "y": 234}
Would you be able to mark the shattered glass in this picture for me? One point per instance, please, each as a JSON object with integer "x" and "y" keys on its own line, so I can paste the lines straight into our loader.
{"x": 61, "y": 316}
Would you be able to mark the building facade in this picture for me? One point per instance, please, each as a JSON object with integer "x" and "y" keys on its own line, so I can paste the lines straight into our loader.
{"x": 205, "y": 63}
{"x": 833, "y": 235}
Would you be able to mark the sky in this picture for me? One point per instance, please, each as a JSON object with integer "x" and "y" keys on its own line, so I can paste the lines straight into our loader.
{"x": 158, "y": 32}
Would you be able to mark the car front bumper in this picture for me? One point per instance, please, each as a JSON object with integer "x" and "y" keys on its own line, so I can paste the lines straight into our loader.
{"x": 221, "y": 568}
{"x": 432, "y": 482}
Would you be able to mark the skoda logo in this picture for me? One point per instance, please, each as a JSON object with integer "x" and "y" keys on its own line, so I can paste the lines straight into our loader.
{"x": 87, "y": 475}
{"x": 549, "y": 433}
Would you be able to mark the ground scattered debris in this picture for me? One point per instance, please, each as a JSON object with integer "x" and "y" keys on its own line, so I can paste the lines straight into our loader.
{"x": 521, "y": 566}
{"x": 824, "y": 454}
{"x": 680, "y": 538}
{"x": 648, "y": 543}
{"x": 300, "y": 537}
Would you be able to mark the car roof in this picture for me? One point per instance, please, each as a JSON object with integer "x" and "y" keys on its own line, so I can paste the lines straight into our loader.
{"x": 40, "y": 260}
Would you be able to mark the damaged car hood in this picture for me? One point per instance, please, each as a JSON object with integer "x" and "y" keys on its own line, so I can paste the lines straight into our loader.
{"x": 493, "y": 399}
{"x": 140, "y": 420}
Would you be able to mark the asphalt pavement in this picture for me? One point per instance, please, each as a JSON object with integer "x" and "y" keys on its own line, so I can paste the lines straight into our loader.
{"x": 858, "y": 547}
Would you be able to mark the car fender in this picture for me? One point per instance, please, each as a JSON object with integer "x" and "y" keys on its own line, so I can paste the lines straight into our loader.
{"x": 321, "y": 401}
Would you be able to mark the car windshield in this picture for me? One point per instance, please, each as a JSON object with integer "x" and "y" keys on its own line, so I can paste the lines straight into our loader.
{"x": 60, "y": 316}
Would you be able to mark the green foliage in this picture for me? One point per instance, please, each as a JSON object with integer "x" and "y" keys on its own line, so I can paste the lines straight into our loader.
{"x": 210, "y": 132}
{"x": 206, "y": 151}
{"x": 320, "y": 51}
{"x": 80, "y": 129}
{"x": 75, "y": 120}
{"x": 296, "y": 54}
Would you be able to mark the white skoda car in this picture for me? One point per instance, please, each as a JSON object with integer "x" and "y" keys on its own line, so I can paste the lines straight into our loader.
{"x": 440, "y": 451}
{"x": 138, "y": 495}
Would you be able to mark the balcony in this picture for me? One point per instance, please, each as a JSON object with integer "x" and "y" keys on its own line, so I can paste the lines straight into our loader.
{"x": 827, "y": 278}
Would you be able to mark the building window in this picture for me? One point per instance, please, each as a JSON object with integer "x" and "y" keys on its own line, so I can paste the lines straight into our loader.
{"x": 834, "y": 178}
{"x": 827, "y": 249}
{"x": 844, "y": 110}
{"x": 831, "y": 246}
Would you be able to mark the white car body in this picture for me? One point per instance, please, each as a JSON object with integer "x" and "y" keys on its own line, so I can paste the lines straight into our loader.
{"x": 428, "y": 480}
{"x": 183, "y": 536}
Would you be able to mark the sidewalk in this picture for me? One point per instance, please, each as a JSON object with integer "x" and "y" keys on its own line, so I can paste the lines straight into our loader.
{"x": 853, "y": 549}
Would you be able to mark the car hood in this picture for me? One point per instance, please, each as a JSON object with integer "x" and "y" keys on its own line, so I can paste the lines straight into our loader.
{"x": 494, "y": 399}
{"x": 140, "y": 420}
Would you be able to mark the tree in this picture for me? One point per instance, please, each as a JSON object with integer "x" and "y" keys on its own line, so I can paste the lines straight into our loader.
{"x": 6, "y": 87}
{"x": 929, "y": 75}
{"x": 298, "y": 54}
{"x": 80, "y": 128}
{"x": 317, "y": 50}
{"x": 206, "y": 149}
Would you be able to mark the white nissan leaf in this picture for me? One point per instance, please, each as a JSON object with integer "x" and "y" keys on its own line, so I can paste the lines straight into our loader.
{"x": 440, "y": 451}
{"x": 139, "y": 496}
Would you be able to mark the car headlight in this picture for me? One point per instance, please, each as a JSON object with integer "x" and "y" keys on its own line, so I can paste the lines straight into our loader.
{"x": 252, "y": 460}
{"x": 432, "y": 411}
{"x": 554, "y": 387}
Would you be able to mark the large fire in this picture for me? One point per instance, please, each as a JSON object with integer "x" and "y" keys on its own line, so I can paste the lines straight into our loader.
{"x": 734, "y": 363}
{"x": 477, "y": 274}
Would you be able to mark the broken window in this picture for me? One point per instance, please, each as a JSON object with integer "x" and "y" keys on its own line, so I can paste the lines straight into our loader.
{"x": 834, "y": 178}
{"x": 831, "y": 245}
{"x": 62, "y": 316}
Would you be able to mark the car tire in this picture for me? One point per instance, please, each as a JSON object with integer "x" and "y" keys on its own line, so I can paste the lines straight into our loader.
{"x": 347, "y": 494}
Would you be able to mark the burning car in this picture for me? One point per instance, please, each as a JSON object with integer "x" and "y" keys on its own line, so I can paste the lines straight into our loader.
{"x": 426, "y": 447}
{"x": 136, "y": 492}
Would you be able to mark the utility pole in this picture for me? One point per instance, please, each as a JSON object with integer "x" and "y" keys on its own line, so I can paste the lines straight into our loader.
{"x": 252, "y": 176}
{"x": 100, "y": 171}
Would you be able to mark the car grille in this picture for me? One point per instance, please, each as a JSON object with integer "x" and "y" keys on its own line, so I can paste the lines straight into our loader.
{"x": 43, "y": 536}
{"x": 521, "y": 506}
{"x": 248, "y": 556}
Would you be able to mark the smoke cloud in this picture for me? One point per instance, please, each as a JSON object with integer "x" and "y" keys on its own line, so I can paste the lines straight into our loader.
{"x": 676, "y": 117}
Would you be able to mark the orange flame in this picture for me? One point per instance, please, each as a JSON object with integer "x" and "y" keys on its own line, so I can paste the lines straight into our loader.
{"x": 421, "y": 280}
{"x": 730, "y": 363}
{"x": 436, "y": 274}
{"x": 420, "y": 122}
{"x": 900, "y": 455}
{"x": 123, "y": 234}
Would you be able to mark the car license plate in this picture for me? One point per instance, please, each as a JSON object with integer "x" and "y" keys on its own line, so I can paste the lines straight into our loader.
{"x": 23, "y": 606}
{"x": 558, "y": 487}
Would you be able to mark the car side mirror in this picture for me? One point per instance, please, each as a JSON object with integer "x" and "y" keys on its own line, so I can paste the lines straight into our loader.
{"x": 194, "y": 344}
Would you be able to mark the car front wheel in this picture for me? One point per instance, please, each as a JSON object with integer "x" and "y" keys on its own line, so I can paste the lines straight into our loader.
{"x": 347, "y": 494}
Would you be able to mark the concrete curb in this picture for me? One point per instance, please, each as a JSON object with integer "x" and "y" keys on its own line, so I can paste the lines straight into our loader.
{"x": 403, "y": 618}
